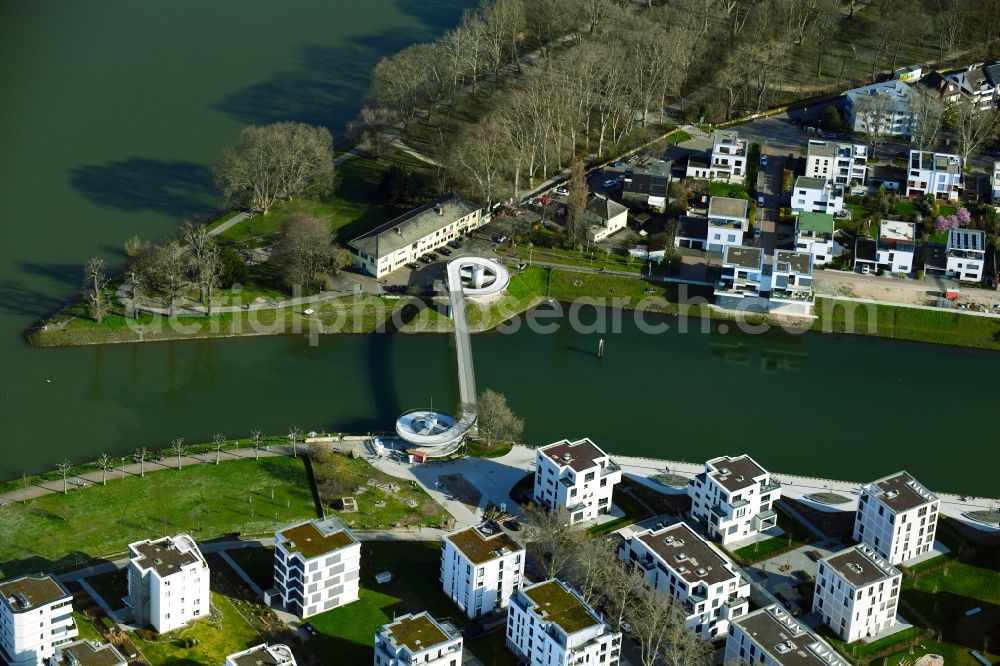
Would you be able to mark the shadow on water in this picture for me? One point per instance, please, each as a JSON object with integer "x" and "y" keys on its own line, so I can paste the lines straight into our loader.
{"x": 177, "y": 188}
{"x": 382, "y": 369}
{"x": 17, "y": 299}
{"x": 325, "y": 87}
{"x": 437, "y": 15}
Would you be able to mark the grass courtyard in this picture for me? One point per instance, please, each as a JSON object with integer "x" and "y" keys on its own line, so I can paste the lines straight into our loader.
{"x": 58, "y": 532}
{"x": 795, "y": 535}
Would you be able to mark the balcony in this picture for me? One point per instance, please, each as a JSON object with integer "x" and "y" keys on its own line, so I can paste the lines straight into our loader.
{"x": 773, "y": 484}
{"x": 610, "y": 468}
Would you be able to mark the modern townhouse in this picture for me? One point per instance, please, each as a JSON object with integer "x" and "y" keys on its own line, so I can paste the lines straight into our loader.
{"x": 897, "y": 517}
{"x": 842, "y": 164}
{"x": 771, "y": 636}
{"x": 937, "y": 174}
{"x": 792, "y": 283}
{"x": 317, "y": 564}
{"x": 887, "y": 103}
{"x": 817, "y": 195}
{"x": 742, "y": 284}
{"x": 575, "y": 476}
{"x": 263, "y": 655}
{"x": 857, "y": 593}
{"x": 549, "y": 624}
{"x": 893, "y": 251}
{"x": 734, "y": 498}
{"x": 675, "y": 560}
{"x": 87, "y": 653}
{"x": 404, "y": 239}
{"x": 167, "y": 582}
{"x": 975, "y": 86}
{"x": 692, "y": 232}
{"x": 480, "y": 568}
{"x": 814, "y": 235}
{"x": 418, "y": 639}
{"x": 36, "y": 618}
{"x": 727, "y": 222}
{"x": 727, "y": 162}
{"x": 648, "y": 184}
{"x": 604, "y": 216}
{"x": 962, "y": 257}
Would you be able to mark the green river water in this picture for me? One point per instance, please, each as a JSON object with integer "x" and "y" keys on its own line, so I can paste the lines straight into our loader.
{"x": 112, "y": 115}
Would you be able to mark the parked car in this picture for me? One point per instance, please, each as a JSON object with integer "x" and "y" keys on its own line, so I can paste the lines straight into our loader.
{"x": 814, "y": 555}
{"x": 432, "y": 256}
{"x": 425, "y": 259}
{"x": 456, "y": 244}
{"x": 445, "y": 251}
{"x": 757, "y": 232}
{"x": 629, "y": 170}
{"x": 502, "y": 238}
{"x": 760, "y": 200}
{"x": 413, "y": 266}
{"x": 763, "y": 160}
{"x": 562, "y": 191}
{"x": 617, "y": 164}
{"x": 610, "y": 183}
{"x": 620, "y": 177}
{"x": 828, "y": 135}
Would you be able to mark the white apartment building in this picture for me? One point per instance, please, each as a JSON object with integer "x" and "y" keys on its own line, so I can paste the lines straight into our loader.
{"x": 548, "y": 624}
{"x": 817, "y": 195}
{"x": 480, "y": 568}
{"x": 857, "y": 593}
{"x": 413, "y": 234}
{"x": 770, "y": 636}
{"x": 937, "y": 174}
{"x": 792, "y": 283}
{"x": 605, "y": 217}
{"x": 677, "y": 561}
{"x": 36, "y": 617}
{"x": 841, "y": 164}
{"x": 893, "y": 251}
{"x": 727, "y": 222}
{"x": 576, "y": 476}
{"x": 897, "y": 517}
{"x": 734, "y": 498}
{"x": 742, "y": 283}
{"x": 886, "y": 103}
{"x": 87, "y": 653}
{"x": 727, "y": 162}
{"x": 418, "y": 639}
{"x": 167, "y": 582}
{"x": 316, "y": 567}
{"x": 263, "y": 655}
{"x": 814, "y": 235}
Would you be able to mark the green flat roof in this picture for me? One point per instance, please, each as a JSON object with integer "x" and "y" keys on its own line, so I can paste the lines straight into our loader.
{"x": 560, "y": 606}
{"x": 818, "y": 222}
{"x": 417, "y": 632}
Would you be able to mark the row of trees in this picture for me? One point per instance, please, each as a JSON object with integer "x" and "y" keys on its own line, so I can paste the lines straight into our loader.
{"x": 592, "y": 566}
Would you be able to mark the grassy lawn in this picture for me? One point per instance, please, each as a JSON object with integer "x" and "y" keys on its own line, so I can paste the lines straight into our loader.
{"x": 905, "y": 207}
{"x": 257, "y": 563}
{"x": 87, "y": 630}
{"x": 964, "y": 580}
{"x": 680, "y": 136}
{"x": 112, "y": 586}
{"x": 795, "y": 536}
{"x": 860, "y": 650}
{"x": 593, "y": 259}
{"x": 491, "y": 649}
{"x": 57, "y": 532}
{"x": 217, "y": 639}
{"x": 339, "y": 475}
{"x": 480, "y": 450}
{"x": 954, "y": 655}
{"x": 728, "y": 190}
{"x": 634, "y": 512}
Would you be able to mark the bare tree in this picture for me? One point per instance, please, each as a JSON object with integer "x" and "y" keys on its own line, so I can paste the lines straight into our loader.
{"x": 210, "y": 273}
{"x": 304, "y": 249}
{"x": 218, "y": 443}
{"x": 926, "y": 110}
{"x": 653, "y": 617}
{"x": 376, "y": 127}
{"x": 974, "y": 127}
{"x": 304, "y": 158}
{"x": 588, "y": 569}
{"x": 105, "y": 463}
{"x": 64, "y": 468}
{"x": 257, "y": 441}
{"x": 141, "y": 455}
{"x": 620, "y": 584}
{"x": 479, "y": 159}
{"x": 95, "y": 280}
{"x": 170, "y": 268}
{"x": 495, "y": 421}
{"x": 293, "y": 436}
{"x": 139, "y": 255}
{"x": 875, "y": 113}
{"x": 576, "y": 222}
{"x": 554, "y": 543}
{"x": 177, "y": 447}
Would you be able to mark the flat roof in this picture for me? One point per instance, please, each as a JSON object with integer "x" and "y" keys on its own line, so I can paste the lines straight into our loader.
{"x": 860, "y": 566}
{"x": 728, "y": 207}
{"x": 316, "y": 537}
{"x": 821, "y": 148}
{"x": 416, "y": 632}
{"x": 787, "y": 641}
{"x": 90, "y": 653}
{"x": 264, "y": 655}
{"x": 795, "y": 262}
{"x": 555, "y": 603}
{"x": 815, "y": 222}
{"x": 689, "y": 555}
{"x": 413, "y": 225}
{"x": 865, "y": 249}
{"x": 37, "y": 591}
{"x": 966, "y": 239}
{"x": 164, "y": 556}
{"x": 480, "y": 545}
{"x": 896, "y": 230}
{"x": 691, "y": 226}
{"x": 578, "y": 455}
{"x": 735, "y": 473}
{"x": 744, "y": 257}
{"x": 810, "y": 183}
{"x": 901, "y": 492}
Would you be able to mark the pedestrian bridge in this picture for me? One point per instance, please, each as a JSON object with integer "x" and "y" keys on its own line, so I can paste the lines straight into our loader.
{"x": 434, "y": 434}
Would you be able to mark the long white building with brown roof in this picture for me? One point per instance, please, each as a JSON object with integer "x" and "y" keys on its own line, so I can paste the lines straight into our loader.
{"x": 576, "y": 476}
{"x": 36, "y": 617}
{"x": 734, "y": 498}
{"x": 897, "y": 516}
{"x": 317, "y": 566}
{"x": 480, "y": 568}
{"x": 677, "y": 561}
{"x": 167, "y": 582}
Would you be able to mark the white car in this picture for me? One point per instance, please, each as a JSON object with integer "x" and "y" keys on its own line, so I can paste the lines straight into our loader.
{"x": 610, "y": 183}
{"x": 562, "y": 191}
